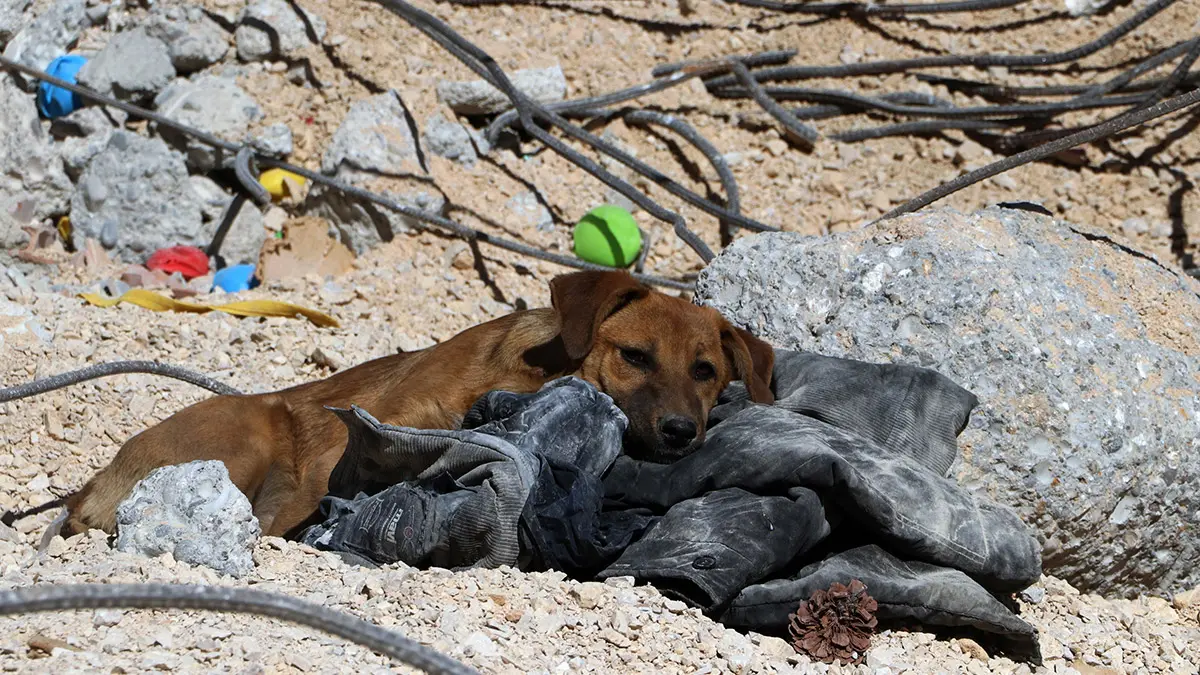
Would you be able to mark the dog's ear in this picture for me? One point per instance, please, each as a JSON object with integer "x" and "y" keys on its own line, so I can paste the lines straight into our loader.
{"x": 753, "y": 362}
{"x": 583, "y": 300}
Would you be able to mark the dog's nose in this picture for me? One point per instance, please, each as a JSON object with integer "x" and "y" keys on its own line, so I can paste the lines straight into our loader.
{"x": 677, "y": 431}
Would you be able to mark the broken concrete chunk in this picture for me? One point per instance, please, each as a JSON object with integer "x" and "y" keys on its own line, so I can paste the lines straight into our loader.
{"x": 133, "y": 66}
{"x": 193, "y": 40}
{"x": 12, "y": 17}
{"x": 449, "y": 139}
{"x": 194, "y": 512}
{"x": 274, "y": 140}
{"x": 544, "y": 85}
{"x": 377, "y": 137}
{"x": 83, "y": 134}
{"x": 134, "y": 196}
{"x": 31, "y": 169}
{"x": 209, "y": 103}
{"x": 530, "y": 212}
{"x": 272, "y": 29}
{"x": 374, "y": 148}
{"x": 47, "y": 37}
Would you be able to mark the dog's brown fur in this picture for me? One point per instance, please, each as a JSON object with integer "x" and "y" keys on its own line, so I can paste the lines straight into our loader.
{"x": 660, "y": 358}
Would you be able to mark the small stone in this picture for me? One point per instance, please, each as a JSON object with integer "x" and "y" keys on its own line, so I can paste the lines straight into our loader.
{"x": 194, "y": 41}
{"x": 448, "y": 139}
{"x": 530, "y": 211}
{"x": 216, "y": 105}
{"x": 107, "y": 617}
{"x": 298, "y": 661}
{"x": 590, "y": 594}
{"x": 1033, "y": 595}
{"x": 675, "y": 606}
{"x": 275, "y": 140}
{"x": 326, "y": 359}
{"x": 479, "y": 644}
{"x": 972, "y": 648}
{"x": 613, "y": 637}
{"x": 133, "y": 66}
{"x": 56, "y": 547}
{"x": 969, "y": 151}
{"x": 54, "y": 425}
{"x": 544, "y": 85}
{"x": 1186, "y": 599}
{"x": 1005, "y": 181}
{"x": 39, "y": 483}
{"x": 288, "y": 33}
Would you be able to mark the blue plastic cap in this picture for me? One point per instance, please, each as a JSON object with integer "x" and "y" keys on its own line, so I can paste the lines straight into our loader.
{"x": 235, "y": 278}
{"x": 55, "y": 101}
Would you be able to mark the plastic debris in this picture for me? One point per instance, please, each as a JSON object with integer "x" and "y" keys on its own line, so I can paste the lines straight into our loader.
{"x": 281, "y": 183}
{"x": 189, "y": 261}
{"x": 53, "y": 101}
{"x": 161, "y": 303}
{"x": 235, "y": 278}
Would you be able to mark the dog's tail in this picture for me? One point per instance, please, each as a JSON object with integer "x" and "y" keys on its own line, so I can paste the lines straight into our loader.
{"x": 114, "y": 368}
{"x": 11, "y": 517}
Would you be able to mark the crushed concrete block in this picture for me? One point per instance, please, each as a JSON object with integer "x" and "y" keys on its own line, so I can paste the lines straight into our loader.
{"x": 544, "y": 85}
{"x": 31, "y": 168}
{"x": 375, "y": 148}
{"x": 47, "y": 37}
{"x": 132, "y": 67}
{"x": 291, "y": 31}
{"x": 274, "y": 140}
{"x": 12, "y": 17}
{"x": 83, "y": 134}
{"x": 449, "y": 139}
{"x": 194, "y": 512}
{"x": 135, "y": 198}
{"x": 210, "y": 103}
{"x": 194, "y": 41}
{"x": 530, "y": 212}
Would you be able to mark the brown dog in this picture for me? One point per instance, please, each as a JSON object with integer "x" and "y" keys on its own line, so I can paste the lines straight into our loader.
{"x": 663, "y": 361}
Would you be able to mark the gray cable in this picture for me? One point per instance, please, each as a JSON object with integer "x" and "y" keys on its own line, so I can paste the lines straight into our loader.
{"x": 1102, "y": 130}
{"x": 114, "y": 368}
{"x": 47, "y": 598}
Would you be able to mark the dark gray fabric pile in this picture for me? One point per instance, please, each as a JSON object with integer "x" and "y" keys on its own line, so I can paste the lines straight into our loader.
{"x": 843, "y": 478}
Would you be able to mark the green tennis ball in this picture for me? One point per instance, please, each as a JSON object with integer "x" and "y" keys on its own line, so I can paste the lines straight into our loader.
{"x": 608, "y": 235}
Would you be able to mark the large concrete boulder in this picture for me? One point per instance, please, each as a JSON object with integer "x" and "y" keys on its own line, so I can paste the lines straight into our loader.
{"x": 1085, "y": 356}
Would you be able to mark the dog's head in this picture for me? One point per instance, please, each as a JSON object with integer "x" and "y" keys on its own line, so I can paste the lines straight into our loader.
{"x": 663, "y": 360}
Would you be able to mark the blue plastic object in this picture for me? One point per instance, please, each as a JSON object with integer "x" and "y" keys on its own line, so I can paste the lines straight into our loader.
{"x": 55, "y": 101}
{"x": 235, "y": 278}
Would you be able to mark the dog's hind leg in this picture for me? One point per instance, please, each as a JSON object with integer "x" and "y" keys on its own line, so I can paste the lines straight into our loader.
{"x": 244, "y": 432}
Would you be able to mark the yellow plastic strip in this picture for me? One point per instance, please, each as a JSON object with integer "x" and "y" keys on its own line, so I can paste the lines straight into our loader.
{"x": 161, "y": 303}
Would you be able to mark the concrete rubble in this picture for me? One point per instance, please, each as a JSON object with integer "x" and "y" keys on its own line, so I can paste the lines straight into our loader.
{"x": 193, "y": 512}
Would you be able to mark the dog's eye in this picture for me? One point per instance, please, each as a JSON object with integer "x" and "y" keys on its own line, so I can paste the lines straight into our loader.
{"x": 703, "y": 371}
{"x": 636, "y": 357}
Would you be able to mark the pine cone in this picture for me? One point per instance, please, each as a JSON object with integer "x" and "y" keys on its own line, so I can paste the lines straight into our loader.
{"x": 835, "y": 625}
